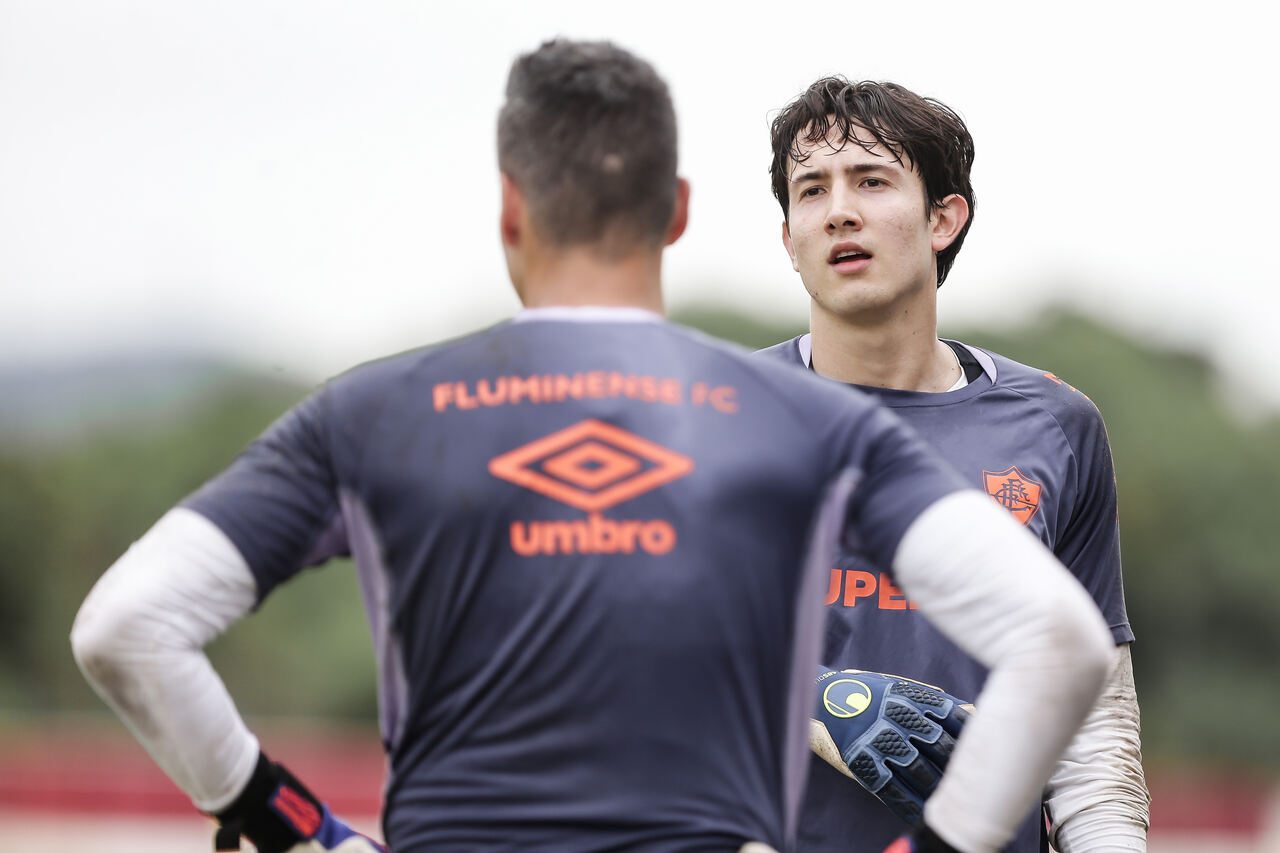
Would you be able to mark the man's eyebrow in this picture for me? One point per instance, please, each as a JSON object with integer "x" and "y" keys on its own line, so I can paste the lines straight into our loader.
{"x": 864, "y": 168}
{"x": 815, "y": 173}
{"x": 810, "y": 174}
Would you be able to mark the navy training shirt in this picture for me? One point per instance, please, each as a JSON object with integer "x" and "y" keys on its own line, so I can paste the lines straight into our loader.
{"x": 1038, "y": 447}
{"x": 580, "y": 546}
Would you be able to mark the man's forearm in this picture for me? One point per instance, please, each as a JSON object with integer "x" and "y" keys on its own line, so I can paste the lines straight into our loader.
{"x": 996, "y": 592}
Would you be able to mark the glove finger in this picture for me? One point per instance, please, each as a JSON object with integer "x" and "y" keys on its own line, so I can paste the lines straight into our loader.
{"x": 914, "y": 725}
{"x": 950, "y": 711}
{"x": 890, "y": 758}
{"x": 918, "y": 777}
{"x": 336, "y": 835}
{"x": 939, "y": 752}
{"x": 902, "y": 802}
{"x": 954, "y": 722}
{"x": 937, "y": 704}
{"x": 896, "y": 774}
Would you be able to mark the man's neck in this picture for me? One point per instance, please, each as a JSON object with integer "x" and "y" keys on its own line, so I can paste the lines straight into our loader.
{"x": 901, "y": 352}
{"x": 582, "y": 276}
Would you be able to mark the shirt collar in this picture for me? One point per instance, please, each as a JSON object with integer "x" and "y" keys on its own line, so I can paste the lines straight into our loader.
{"x": 589, "y": 314}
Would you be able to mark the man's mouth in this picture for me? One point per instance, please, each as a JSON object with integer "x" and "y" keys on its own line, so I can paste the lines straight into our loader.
{"x": 848, "y": 254}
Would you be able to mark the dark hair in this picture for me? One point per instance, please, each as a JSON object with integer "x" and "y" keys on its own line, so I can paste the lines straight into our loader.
{"x": 923, "y": 130}
{"x": 588, "y": 133}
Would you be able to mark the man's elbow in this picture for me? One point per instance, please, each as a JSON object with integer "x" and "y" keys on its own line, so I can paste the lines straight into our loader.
{"x": 1083, "y": 642}
{"x": 96, "y": 644}
{"x": 110, "y": 645}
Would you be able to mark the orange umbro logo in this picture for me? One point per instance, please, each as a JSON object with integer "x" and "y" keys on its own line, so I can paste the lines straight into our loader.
{"x": 1014, "y": 491}
{"x": 591, "y": 465}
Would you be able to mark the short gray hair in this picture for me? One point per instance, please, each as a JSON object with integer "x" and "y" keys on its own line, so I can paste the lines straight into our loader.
{"x": 588, "y": 133}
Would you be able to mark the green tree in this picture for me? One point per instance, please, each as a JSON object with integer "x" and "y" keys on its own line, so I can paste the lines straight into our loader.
{"x": 1197, "y": 491}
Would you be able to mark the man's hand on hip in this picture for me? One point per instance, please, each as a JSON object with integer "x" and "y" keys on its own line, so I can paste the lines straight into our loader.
{"x": 890, "y": 733}
{"x": 279, "y": 815}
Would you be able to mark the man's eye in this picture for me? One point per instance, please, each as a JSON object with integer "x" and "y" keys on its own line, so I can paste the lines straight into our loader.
{"x": 809, "y": 192}
{"x": 873, "y": 183}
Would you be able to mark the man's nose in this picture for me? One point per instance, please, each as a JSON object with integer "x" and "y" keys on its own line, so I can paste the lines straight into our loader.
{"x": 843, "y": 212}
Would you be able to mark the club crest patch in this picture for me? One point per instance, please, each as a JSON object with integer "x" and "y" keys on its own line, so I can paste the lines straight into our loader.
{"x": 1014, "y": 491}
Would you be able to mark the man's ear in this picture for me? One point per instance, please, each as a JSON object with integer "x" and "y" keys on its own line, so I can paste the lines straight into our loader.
{"x": 513, "y": 220}
{"x": 679, "y": 213}
{"x": 948, "y": 220}
{"x": 791, "y": 250}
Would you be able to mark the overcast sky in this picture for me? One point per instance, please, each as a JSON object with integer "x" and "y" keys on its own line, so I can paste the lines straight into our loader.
{"x": 304, "y": 185}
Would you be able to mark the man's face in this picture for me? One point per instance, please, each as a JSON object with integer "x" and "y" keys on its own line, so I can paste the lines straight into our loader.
{"x": 857, "y": 231}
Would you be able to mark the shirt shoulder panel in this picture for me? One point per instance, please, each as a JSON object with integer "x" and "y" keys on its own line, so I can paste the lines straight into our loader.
{"x": 787, "y": 351}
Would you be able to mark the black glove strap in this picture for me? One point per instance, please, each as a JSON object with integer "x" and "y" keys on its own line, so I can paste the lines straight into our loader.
{"x": 274, "y": 811}
{"x": 925, "y": 840}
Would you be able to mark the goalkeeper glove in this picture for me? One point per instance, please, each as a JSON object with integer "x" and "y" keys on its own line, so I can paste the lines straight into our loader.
{"x": 892, "y": 734}
{"x": 279, "y": 815}
{"x": 923, "y": 840}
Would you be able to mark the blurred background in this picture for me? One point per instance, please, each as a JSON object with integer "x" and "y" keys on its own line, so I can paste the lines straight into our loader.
{"x": 208, "y": 208}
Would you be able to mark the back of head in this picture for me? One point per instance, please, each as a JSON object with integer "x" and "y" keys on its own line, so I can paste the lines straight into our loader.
{"x": 924, "y": 131}
{"x": 588, "y": 133}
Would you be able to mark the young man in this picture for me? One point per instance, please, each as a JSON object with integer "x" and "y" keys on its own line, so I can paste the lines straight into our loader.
{"x": 874, "y": 186}
{"x": 580, "y": 553}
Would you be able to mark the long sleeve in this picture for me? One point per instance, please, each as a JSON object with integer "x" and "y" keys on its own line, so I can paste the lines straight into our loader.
{"x": 999, "y": 594}
{"x": 139, "y": 640}
{"x": 1097, "y": 796}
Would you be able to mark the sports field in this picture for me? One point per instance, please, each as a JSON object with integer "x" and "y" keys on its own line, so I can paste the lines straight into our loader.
{"x": 96, "y": 833}
{"x": 70, "y": 833}
{"x": 91, "y": 789}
